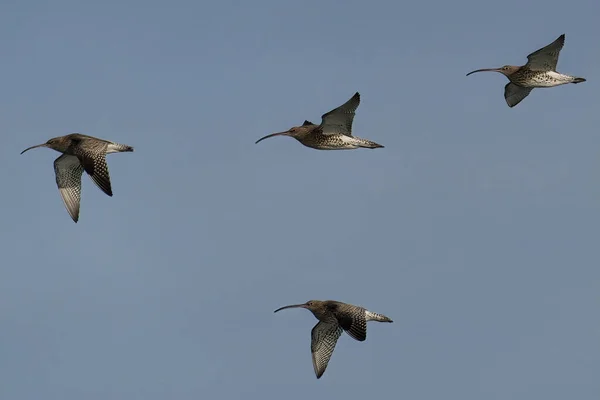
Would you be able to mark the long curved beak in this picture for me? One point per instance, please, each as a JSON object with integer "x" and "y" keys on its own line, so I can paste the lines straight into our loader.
{"x": 484, "y": 69}
{"x": 292, "y": 306}
{"x": 33, "y": 147}
{"x": 286, "y": 133}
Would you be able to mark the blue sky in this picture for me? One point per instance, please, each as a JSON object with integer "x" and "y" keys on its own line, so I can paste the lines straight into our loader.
{"x": 475, "y": 229}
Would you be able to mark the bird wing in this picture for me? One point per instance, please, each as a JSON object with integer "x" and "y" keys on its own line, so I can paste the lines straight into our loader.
{"x": 354, "y": 323}
{"x": 93, "y": 160}
{"x": 340, "y": 120}
{"x": 68, "y": 172}
{"x": 513, "y": 94}
{"x": 79, "y": 137}
{"x": 324, "y": 337}
{"x": 546, "y": 58}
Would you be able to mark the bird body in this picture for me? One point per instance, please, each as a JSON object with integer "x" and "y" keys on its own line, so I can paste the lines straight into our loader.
{"x": 80, "y": 152}
{"x": 542, "y": 79}
{"x": 334, "y": 318}
{"x": 539, "y": 72}
{"x": 334, "y": 132}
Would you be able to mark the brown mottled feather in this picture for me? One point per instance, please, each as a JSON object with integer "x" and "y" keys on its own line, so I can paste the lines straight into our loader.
{"x": 324, "y": 337}
{"x": 68, "y": 171}
{"x": 95, "y": 165}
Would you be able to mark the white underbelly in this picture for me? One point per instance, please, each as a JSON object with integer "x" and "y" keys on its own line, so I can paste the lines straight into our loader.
{"x": 550, "y": 79}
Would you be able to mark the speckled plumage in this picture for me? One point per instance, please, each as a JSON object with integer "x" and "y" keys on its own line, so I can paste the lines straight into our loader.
{"x": 335, "y": 317}
{"x": 80, "y": 152}
{"x": 539, "y": 72}
{"x": 334, "y": 132}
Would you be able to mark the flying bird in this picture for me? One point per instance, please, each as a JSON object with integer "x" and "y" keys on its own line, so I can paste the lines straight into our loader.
{"x": 335, "y": 317}
{"x": 334, "y": 132}
{"x": 80, "y": 152}
{"x": 539, "y": 72}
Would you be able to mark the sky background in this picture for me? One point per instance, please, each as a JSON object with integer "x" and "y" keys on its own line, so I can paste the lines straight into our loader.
{"x": 476, "y": 228}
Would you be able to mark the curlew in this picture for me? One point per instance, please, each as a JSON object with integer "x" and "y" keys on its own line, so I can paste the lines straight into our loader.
{"x": 80, "y": 152}
{"x": 334, "y": 132}
{"x": 335, "y": 317}
{"x": 539, "y": 72}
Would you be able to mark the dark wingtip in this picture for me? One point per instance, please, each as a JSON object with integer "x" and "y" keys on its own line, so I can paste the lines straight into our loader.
{"x": 579, "y": 80}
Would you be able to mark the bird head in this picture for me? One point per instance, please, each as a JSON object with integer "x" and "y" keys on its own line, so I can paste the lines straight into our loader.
{"x": 506, "y": 70}
{"x": 308, "y": 305}
{"x": 54, "y": 143}
{"x": 296, "y": 132}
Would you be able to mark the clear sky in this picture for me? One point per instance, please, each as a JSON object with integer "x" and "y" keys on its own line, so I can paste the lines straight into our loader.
{"x": 476, "y": 228}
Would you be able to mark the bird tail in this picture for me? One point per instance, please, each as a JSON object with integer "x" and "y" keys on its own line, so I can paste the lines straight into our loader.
{"x": 368, "y": 144}
{"x": 578, "y": 80}
{"x": 118, "y": 148}
{"x": 371, "y": 316}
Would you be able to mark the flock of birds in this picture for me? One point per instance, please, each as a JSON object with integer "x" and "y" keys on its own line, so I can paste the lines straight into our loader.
{"x": 81, "y": 152}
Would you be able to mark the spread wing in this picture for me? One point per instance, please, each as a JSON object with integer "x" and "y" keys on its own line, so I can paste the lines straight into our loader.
{"x": 546, "y": 58}
{"x": 68, "y": 172}
{"x": 340, "y": 119}
{"x": 93, "y": 159}
{"x": 354, "y": 323}
{"x": 324, "y": 337}
{"x": 513, "y": 94}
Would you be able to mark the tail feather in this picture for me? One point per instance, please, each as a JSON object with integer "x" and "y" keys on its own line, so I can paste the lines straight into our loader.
{"x": 118, "y": 148}
{"x": 367, "y": 144}
{"x": 371, "y": 316}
